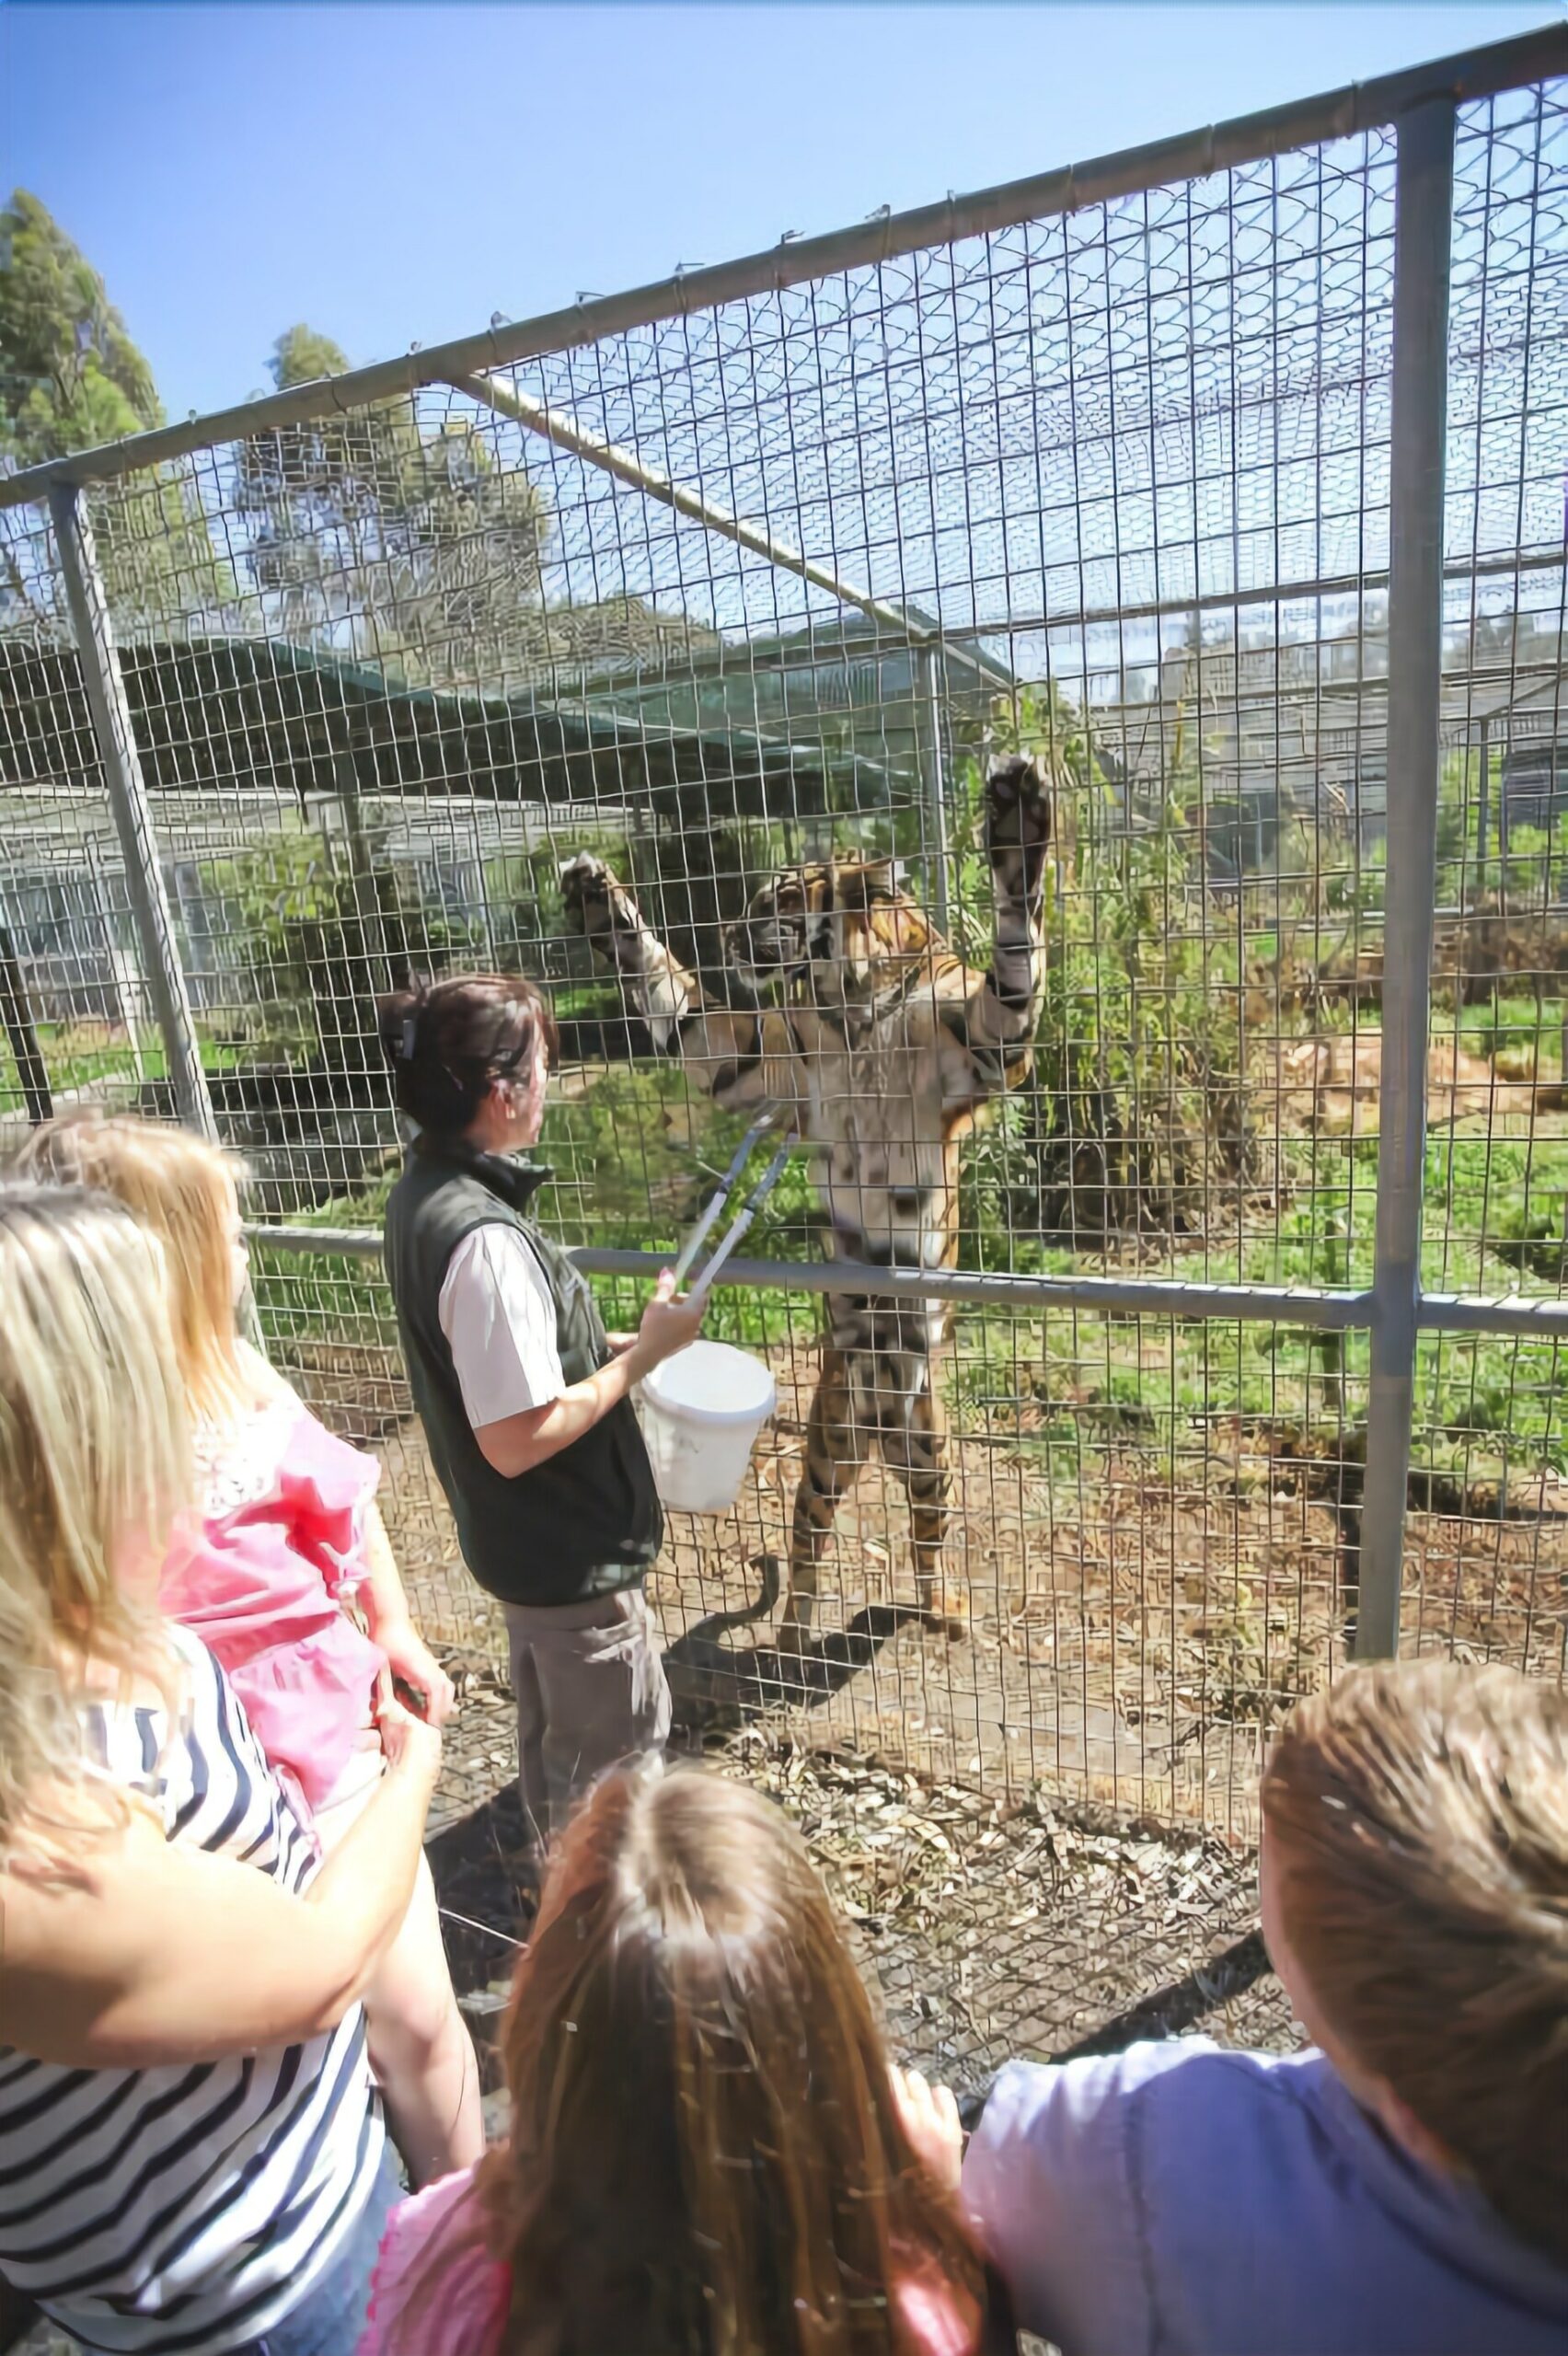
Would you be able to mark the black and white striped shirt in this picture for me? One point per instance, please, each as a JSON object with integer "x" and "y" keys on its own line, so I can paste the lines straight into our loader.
{"x": 187, "y": 2209}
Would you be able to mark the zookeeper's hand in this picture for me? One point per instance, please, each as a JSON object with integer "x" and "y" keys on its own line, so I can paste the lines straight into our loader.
{"x": 669, "y": 1321}
{"x": 410, "y": 1660}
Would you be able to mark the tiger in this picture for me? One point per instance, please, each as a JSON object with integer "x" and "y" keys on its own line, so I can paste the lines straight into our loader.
{"x": 867, "y": 1028}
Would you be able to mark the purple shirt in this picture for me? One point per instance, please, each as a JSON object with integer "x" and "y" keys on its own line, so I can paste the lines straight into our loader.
{"x": 1179, "y": 2200}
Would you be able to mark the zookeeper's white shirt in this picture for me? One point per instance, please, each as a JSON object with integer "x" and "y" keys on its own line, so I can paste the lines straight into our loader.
{"x": 500, "y": 1322}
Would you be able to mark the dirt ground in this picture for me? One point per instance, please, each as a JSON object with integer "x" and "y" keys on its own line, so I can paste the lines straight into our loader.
{"x": 988, "y": 1928}
{"x": 1046, "y": 1829}
{"x": 1331, "y": 1086}
{"x": 1133, "y": 1638}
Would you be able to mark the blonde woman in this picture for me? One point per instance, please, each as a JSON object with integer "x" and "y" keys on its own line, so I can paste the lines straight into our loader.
{"x": 191, "y": 2154}
{"x": 289, "y": 1536}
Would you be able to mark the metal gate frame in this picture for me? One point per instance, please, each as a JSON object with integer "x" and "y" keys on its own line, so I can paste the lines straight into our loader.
{"x": 1420, "y": 105}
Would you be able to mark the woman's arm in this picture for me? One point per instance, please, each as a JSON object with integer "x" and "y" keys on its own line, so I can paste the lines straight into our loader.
{"x": 517, "y": 1443}
{"x": 144, "y": 1952}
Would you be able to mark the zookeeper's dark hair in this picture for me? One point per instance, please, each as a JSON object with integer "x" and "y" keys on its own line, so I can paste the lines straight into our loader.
{"x": 448, "y": 1041}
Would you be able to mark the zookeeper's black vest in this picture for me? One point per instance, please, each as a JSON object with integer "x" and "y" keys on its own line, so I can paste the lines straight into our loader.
{"x": 586, "y": 1522}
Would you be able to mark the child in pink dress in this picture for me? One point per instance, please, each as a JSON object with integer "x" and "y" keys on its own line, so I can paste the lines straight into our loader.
{"x": 708, "y": 2144}
{"x": 269, "y": 1586}
{"x": 290, "y": 1547}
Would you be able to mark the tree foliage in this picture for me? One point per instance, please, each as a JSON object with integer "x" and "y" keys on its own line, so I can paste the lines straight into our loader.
{"x": 326, "y": 932}
{"x": 409, "y": 544}
{"x": 71, "y": 378}
{"x": 70, "y": 375}
{"x": 400, "y": 542}
{"x": 369, "y": 531}
{"x": 1135, "y": 1122}
{"x": 612, "y": 633}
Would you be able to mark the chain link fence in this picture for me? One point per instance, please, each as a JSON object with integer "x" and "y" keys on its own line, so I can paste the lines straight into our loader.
{"x": 1227, "y": 478}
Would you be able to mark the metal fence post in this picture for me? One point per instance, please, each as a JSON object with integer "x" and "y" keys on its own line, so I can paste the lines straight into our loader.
{"x": 928, "y": 737}
{"x": 105, "y": 685}
{"x": 16, "y": 1022}
{"x": 1483, "y": 830}
{"x": 1423, "y": 184}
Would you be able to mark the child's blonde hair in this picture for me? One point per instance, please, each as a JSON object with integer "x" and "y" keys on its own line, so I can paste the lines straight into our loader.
{"x": 1418, "y": 1817}
{"x": 185, "y": 1189}
{"x": 94, "y": 1464}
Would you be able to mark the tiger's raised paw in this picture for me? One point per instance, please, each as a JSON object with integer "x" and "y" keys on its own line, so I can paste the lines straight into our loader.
{"x": 586, "y": 884}
{"x": 598, "y": 904}
{"x": 1017, "y": 811}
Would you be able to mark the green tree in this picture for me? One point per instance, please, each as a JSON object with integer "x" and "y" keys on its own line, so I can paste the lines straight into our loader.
{"x": 412, "y": 547}
{"x": 300, "y": 355}
{"x": 409, "y": 544}
{"x": 70, "y": 377}
{"x": 309, "y": 493}
{"x": 329, "y": 923}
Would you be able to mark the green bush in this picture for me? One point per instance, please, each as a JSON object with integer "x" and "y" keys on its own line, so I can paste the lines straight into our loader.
{"x": 327, "y": 929}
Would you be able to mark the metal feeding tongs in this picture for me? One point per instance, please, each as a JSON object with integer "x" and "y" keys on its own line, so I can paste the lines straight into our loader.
{"x": 743, "y": 1217}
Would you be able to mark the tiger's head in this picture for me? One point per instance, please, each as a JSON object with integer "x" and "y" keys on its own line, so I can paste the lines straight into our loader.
{"x": 846, "y": 931}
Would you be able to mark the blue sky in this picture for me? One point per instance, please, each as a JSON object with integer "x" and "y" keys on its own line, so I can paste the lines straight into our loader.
{"x": 398, "y": 173}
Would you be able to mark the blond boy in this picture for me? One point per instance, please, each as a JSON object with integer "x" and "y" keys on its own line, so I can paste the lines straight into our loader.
{"x": 1403, "y": 2186}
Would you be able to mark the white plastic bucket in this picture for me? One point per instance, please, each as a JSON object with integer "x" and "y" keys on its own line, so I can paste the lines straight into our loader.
{"x": 701, "y": 1411}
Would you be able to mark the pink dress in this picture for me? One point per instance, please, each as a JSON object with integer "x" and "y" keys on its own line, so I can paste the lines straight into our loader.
{"x": 460, "y": 2314}
{"x": 281, "y": 1550}
{"x": 462, "y": 2308}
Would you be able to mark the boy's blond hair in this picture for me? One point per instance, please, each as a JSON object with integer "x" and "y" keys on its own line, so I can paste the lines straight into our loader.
{"x": 95, "y": 1466}
{"x": 183, "y": 1188}
{"x": 1418, "y": 1817}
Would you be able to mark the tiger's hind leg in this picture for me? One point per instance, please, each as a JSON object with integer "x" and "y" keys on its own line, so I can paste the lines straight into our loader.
{"x": 837, "y": 1443}
{"x": 916, "y": 1450}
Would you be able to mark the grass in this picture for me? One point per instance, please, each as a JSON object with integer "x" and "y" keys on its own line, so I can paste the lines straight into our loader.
{"x": 1063, "y": 1381}
{"x": 1073, "y": 1384}
{"x": 634, "y": 1157}
{"x": 1509, "y": 1023}
{"x": 96, "y": 1054}
{"x": 1066, "y": 1385}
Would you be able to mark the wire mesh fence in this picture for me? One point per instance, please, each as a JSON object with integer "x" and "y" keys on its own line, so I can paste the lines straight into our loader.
{"x": 747, "y": 600}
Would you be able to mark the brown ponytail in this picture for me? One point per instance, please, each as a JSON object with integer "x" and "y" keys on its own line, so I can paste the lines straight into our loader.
{"x": 449, "y": 1041}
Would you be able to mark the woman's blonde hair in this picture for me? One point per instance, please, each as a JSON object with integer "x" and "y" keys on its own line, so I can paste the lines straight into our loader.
{"x": 94, "y": 1465}
{"x": 184, "y": 1189}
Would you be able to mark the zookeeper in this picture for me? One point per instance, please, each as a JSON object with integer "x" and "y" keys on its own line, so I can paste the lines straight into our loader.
{"x": 525, "y": 1398}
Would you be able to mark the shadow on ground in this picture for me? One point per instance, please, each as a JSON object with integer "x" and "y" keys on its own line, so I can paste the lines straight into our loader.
{"x": 483, "y": 1866}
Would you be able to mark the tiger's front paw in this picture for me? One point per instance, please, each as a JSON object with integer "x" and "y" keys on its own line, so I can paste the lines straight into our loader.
{"x": 1018, "y": 815}
{"x": 601, "y": 908}
{"x": 585, "y": 888}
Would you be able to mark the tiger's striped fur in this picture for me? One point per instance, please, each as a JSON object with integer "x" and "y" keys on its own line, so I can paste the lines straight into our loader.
{"x": 887, "y": 1050}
